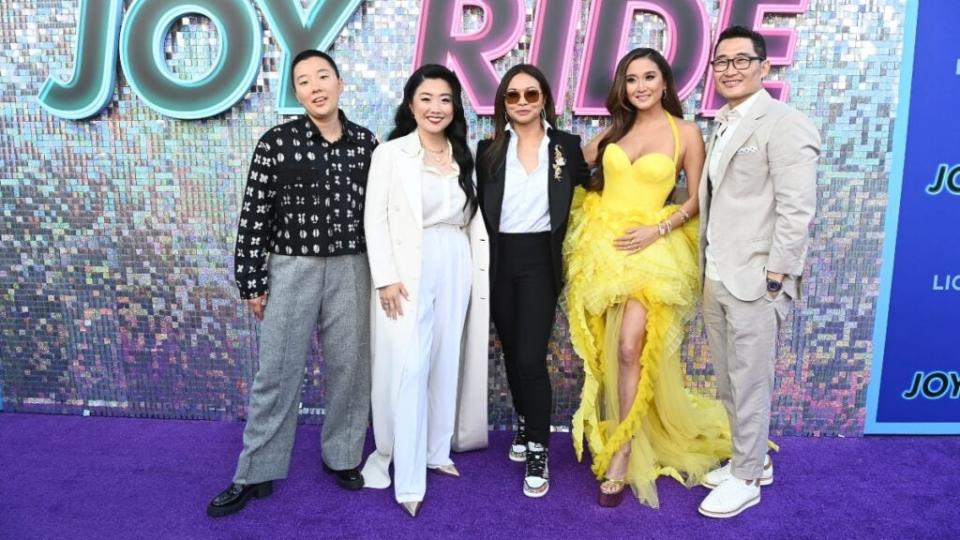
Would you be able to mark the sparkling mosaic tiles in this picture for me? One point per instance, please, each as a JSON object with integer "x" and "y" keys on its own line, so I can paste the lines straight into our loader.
{"x": 117, "y": 232}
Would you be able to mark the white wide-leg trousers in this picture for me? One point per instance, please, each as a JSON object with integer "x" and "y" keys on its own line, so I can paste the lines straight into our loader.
{"x": 427, "y": 401}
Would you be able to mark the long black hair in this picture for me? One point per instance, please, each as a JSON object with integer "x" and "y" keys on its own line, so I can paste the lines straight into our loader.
{"x": 623, "y": 113}
{"x": 495, "y": 154}
{"x": 456, "y": 132}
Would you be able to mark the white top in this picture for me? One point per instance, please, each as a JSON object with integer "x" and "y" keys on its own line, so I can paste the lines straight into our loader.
{"x": 723, "y": 133}
{"x": 443, "y": 199}
{"x": 526, "y": 204}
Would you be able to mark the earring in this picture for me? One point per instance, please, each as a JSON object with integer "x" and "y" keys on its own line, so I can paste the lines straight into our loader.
{"x": 543, "y": 114}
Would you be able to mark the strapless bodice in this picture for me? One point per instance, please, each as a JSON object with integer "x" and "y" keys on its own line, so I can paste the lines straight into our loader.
{"x": 641, "y": 186}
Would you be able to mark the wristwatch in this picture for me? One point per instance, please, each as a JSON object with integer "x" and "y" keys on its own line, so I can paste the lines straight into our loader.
{"x": 773, "y": 285}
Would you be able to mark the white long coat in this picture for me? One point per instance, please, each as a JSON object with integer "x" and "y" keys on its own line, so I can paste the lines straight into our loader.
{"x": 393, "y": 223}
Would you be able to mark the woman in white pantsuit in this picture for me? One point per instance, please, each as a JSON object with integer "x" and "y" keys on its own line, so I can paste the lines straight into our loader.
{"x": 428, "y": 258}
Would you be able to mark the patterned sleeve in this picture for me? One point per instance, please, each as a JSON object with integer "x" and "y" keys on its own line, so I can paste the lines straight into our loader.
{"x": 256, "y": 222}
{"x": 369, "y": 143}
{"x": 374, "y": 143}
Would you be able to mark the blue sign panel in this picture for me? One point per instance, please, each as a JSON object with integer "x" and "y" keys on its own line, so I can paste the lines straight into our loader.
{"x": 915, "y": 385}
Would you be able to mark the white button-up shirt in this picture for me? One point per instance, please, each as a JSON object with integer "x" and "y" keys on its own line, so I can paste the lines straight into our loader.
{"x": 526, "y": 204}
{"x": 443, "y": 198}
{"x": 724, "y": 133}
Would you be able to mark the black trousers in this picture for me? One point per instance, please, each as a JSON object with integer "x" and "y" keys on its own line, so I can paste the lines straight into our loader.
{"x": 523, "y": 304}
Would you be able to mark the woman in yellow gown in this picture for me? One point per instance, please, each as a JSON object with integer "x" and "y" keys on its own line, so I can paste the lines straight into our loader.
{"x": 633, "y": 280}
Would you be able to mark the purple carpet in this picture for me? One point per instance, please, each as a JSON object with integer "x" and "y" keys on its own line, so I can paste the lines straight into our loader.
{"x": 75, "y": 477}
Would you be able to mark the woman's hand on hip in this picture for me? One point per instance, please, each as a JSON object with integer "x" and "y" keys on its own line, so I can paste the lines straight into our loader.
{"x": 390, "y": 299}
{"x": 637, "y": 238}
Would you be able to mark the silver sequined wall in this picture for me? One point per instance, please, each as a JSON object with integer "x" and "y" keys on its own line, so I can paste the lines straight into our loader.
{"x": 117, "y": 232}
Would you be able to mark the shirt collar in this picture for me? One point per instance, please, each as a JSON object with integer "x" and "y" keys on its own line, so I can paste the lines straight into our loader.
{"x": 727, "y": 114}
{"x": 547, "y": 128}
{"x": 349, "y": 130}
{"x": 544, "y": 143}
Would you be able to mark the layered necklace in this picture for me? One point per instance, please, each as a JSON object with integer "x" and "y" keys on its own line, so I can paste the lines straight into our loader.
{"x": 439, "y": 157}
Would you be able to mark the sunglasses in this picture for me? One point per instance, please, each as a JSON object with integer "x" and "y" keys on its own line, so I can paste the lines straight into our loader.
{"x": 512, "y": 97}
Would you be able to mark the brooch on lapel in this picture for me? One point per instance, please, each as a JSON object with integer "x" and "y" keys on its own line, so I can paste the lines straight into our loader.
{"x": 558, "y": 163}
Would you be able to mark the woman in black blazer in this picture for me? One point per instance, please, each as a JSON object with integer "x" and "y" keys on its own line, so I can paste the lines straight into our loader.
{"x": 526, "y": 175}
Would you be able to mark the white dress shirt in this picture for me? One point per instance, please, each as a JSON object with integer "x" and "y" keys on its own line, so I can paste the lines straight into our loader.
{"x": 443, "y": 198}
{"x": 724, "y": 133}
{"x": 526, "y": 204}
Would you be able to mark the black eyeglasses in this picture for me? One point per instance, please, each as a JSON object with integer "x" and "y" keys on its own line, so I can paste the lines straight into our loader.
{"x": 512, "y": 97}
{"x": 740, "y": 62}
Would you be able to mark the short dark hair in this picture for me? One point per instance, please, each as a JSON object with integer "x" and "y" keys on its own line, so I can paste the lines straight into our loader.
{"x": 759, "y": 44}
{"x": 312, "y": 53}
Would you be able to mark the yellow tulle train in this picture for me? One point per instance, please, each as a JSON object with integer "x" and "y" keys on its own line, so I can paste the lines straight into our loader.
{"x": 671, "y": 431}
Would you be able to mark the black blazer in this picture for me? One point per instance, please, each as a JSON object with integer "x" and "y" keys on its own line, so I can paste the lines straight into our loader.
{"x": 562, "y": 179}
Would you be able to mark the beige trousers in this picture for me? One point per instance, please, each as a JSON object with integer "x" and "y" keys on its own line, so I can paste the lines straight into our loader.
{"x": 743, "y": 343}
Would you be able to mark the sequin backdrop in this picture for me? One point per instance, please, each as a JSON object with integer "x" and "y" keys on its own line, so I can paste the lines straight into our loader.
{"x": 117, "y": 232}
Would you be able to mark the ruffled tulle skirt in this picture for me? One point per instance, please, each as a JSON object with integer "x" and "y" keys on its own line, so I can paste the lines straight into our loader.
{"x": 672, "y": 432}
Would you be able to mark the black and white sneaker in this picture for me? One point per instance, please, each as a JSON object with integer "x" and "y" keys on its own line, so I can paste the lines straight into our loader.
{"x": 536, "y": 479}
{"x": 518, "y": 448}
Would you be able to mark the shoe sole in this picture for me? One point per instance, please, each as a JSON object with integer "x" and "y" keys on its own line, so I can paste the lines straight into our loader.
{"x": 763, "y": 482}
{"x": 350, "y": 486}
{"x": 536, "y": 495}
{"x": 219, "y": 511}
{"x": 517, "y": 458}
{"x": 610, "y": 501}
{"x": 733, "y": 513}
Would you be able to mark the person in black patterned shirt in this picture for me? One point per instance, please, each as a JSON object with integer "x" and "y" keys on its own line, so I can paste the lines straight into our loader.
{"x": 301, "y": 260}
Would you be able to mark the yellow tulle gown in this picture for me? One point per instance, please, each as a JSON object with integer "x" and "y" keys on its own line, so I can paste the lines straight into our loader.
{"x": 672, "y": 432}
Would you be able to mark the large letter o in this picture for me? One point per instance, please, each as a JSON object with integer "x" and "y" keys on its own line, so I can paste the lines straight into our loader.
{"x": 141, "y": 55}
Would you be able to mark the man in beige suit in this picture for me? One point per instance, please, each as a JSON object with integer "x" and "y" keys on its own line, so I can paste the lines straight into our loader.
{"x": 758, "y": 196}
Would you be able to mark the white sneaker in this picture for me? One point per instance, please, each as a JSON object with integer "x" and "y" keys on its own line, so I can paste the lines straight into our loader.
{"x": 518, "y": 448}
{"x": 731, "y": 497}
{"x": 713, "y": 478}
{"x": 536, "y": 480}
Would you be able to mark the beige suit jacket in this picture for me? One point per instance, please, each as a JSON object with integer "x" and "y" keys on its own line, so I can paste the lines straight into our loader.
{"x": 761, "y": 210}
